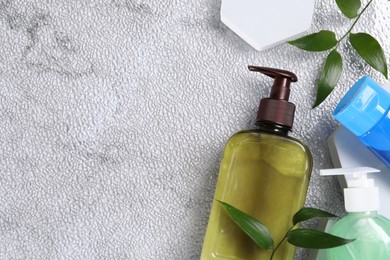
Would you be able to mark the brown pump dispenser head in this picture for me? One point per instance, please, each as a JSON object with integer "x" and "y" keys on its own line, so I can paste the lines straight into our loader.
{"x": 276, "y": 109}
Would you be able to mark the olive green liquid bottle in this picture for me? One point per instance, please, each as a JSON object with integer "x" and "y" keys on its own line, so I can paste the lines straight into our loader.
{"x": 264, "y": 173}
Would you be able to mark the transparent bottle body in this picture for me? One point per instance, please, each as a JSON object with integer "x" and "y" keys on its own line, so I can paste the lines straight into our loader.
{"x": 372, "y": 234}
{"x": 266, "y": 176}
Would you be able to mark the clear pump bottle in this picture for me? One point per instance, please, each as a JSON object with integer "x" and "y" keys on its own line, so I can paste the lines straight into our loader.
{"x": 264, "y": 173}
{"x": 362, "y": 222}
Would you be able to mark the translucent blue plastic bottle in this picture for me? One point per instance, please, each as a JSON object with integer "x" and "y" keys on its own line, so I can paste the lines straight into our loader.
{"x": 365, "y": 111}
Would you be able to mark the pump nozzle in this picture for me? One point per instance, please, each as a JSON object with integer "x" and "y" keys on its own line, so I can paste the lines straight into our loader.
{"x": 276, "y": 109}
{"x": 361, "y": 194}
{"x": 358, "y": 174}
{"x": 273, "y": 73}
{"x": 282, "y": 80}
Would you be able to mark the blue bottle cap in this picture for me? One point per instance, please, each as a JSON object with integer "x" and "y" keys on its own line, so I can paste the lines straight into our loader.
{"x": 363, "y": 106}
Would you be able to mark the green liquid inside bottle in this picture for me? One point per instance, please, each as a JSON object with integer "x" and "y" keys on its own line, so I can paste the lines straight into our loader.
{"x": 372, "y": 234}
{"x": 265, "y": 175}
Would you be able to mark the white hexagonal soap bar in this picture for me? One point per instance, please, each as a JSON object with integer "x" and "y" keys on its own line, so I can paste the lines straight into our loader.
{"x": 266, "y": 23}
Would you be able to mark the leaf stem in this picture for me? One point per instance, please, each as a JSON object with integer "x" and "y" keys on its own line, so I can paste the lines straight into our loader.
{"x": 280, "y": 243}
{"x": 354, "y": 23}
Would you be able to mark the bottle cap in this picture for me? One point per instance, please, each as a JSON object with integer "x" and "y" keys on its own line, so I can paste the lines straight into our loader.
{"x": 361, "y": 195}
{"x": 363, "y": 106}
{"x": 276, "y": 109}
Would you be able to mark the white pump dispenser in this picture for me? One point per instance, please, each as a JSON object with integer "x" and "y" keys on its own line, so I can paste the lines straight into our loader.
{"x": 370, "y": 230}
{"x": 361, "y": 195}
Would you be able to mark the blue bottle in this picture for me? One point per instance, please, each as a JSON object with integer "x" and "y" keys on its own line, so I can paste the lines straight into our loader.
{"x": 365, "y": 111}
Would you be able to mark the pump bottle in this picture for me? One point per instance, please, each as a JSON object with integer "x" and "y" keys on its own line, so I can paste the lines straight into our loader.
{"x": 264, "y": 173}
{"x": 362, "y": 222}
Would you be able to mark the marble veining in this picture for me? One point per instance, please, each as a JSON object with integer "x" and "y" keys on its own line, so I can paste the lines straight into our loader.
{"x": 47, "y": 48}
{"x": 114, "y": 115}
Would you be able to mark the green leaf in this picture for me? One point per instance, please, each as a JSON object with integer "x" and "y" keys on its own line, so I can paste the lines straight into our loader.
{"x": 349, "y": 8}
{"x": 329, "y": 76}
{"x": 370, "y": 50}
{"x": 309, "y": 213}
{"x": 251, "y": 226}
{"x": 309, "y": 238}
{"x": 320, "y": 41}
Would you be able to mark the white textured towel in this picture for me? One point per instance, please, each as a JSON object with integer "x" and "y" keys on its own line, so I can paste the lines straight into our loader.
{"x": 114, "y": 115}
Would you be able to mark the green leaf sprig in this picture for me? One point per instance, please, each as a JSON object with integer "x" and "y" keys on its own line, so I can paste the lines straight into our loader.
{"x": 300, "y": 237}
{"x": 364, "y": 44}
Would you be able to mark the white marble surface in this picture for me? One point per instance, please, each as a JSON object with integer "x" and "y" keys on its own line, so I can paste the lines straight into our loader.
{"x": 114, "y": 115}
